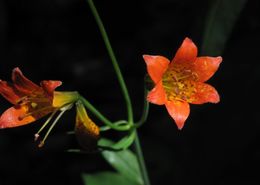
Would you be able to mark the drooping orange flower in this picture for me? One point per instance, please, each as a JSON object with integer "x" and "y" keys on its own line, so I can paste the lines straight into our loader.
{"x": 181, "y": 81}
{"x": 31, "y": 102}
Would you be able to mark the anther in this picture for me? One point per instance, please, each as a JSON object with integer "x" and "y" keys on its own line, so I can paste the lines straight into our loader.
{"x": 44, "y": 125}
{"x": 36, "y": 137}
{"x": 41, "y": 144}
{"x": 63, "y": 110}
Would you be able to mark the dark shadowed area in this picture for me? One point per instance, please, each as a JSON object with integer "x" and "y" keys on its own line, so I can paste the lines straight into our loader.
{"x": 59, "y": 40}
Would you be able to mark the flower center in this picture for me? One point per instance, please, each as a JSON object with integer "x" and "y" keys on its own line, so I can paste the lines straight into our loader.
{"x": 177, "y": 83}
{"x": 36, "y": 105}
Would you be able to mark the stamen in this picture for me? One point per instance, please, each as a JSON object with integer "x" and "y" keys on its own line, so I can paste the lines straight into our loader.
{"x": 184, "y": 76}
{"x": 33, "y": 112}
{"x": 22, "y": 100}
{"x": 63, "y": 110}
{"x": 37, "y": 135}
{"x": 38, "y": 99}
{"x": 34, "y": 99}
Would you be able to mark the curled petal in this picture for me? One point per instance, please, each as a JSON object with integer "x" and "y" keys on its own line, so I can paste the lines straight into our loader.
{"x": 12, "y": 117}
{"x": 204, "y": 93}
{"x": 157, "y": 95}
{"x": 86, "y": 130}
{"x": 156, "y": 66}
{"x": 23, "y": 84}
{"x": 49, "y": 86}
{"x": 9, "y": 92}
{"x": 186, "y": 53}
{"x": 205, "y": 67}
{"x": 179, "y": 111}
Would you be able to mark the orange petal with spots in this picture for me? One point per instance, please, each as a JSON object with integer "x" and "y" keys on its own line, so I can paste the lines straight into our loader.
{"x": 204, "y": 93}
{"x": 11, "y": 117}
{"x": 8, "y": 92}
{"x": 186, "y": 53}
{"x": 86, "y": 130}
{"x": 49, "y": 86}
{"x": 205, "y": 67}
{"x": 179, "y": 111}
{"x": 157, "y": 95}
{"x": 156, "y": 66}
{"x": 23, "y": 84}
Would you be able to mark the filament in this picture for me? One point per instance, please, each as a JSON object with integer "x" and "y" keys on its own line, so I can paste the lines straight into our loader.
{"x": 36, "y": 136}
{"x": 51, "y": 127}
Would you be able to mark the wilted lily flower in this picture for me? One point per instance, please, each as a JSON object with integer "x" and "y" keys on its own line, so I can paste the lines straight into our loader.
{"x": 181, "y": 81}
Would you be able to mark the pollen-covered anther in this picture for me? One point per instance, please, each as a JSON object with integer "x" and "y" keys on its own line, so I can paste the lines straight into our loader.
{"x": 41, "y": 144}
{"x": 34, "y": 105}
{"x": 36, "y": 137}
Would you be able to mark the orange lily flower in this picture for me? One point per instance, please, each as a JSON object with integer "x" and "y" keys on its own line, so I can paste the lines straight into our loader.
{"x": 31, "y": 102}
{"x": 181, "y": 81}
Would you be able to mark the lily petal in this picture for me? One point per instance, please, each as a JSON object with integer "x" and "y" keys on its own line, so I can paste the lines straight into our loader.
{"x": 157, "y": 95}
{"x": 63, "y": 98}
{"x": 11, "y": 118}
{"x": 186, "y": 53}
{"x": 9, "y": 92}
{"x": 49, "y": 86}
{"x": 156, "y": 66}
{"x": 204, "y": 93}
{"x": 86, "y": 130}
{"x": 22, "y": 83}
{"x": 179, "y": 111}
{"x": 205, "y": 67}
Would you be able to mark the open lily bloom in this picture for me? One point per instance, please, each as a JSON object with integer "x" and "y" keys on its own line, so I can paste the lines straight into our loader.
{"x": 31, "y": 102}
{"x": 181, "y": 81}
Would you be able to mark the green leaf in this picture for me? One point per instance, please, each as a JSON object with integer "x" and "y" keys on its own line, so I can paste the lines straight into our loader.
{"x": 105, "y": 178}
{"x": 220, "y": 21}
{"x": 122, "y": 144}
{"x": 124, "y": 161}
{"x": 125, "y": 142}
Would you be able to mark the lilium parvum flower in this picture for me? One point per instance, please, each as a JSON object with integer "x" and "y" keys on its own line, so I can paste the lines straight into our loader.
{"x": 32, "y": 102}
{"x": 182, "y": 81}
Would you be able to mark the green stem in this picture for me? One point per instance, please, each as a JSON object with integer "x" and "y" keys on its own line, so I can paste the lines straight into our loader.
{"x": 145, "y": 111}
{"x": 117, "y": 123}
{"x": 124, "y": 90}
{"x": 114, "y": 61}
{"x": 140, "y": 158}
{"x": 101, "y": 117}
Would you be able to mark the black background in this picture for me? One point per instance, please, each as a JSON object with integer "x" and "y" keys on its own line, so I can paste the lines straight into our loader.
{"x": 59, "y": 39}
